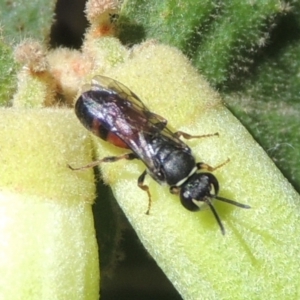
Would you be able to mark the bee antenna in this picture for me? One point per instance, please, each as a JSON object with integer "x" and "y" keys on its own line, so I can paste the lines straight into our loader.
{"x": 216, "y": 216}
{"x": 232, "y": 202}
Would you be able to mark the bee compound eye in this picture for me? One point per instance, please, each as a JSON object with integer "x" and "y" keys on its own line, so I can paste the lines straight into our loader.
{"x": 187, "y": 200}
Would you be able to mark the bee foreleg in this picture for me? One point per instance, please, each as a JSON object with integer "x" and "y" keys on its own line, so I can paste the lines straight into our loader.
{"x": 204, "y": 166}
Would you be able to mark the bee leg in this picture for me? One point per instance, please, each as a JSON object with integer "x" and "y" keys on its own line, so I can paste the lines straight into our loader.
{"x": 204, "y": 166}
{"x": 174, "y": 190}
{"x": 188, "y": 136}
{"x": 145, "y": 188}
{"x": 128, "y": 156}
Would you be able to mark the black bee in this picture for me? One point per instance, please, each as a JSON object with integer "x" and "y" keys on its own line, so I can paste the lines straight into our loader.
{"x": 115, "y": 114}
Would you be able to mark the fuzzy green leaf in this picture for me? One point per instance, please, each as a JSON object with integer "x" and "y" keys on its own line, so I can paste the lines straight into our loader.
{"x": 8, "y": 73}
{"x": 217, "y": 36}
{"x": 270, "y": 108}
{"x": 26, "y": 19}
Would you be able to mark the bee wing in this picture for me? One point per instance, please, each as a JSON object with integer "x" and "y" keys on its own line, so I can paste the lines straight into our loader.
{"x": 103, "y": 83}
{"x": 137, "y": 116}
{"x": 155, "y": 122}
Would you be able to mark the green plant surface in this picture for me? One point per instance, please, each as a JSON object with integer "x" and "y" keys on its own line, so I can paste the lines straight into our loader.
{"x": 48, "y": 248}
{"x": 168, "y": 21}
{"x": 8, "y": 73}
{"x": 218, "y": 36}
{"x": 21, "y": 19}
{"x": 282, "y": 120}
{"x": 267, "y": 101}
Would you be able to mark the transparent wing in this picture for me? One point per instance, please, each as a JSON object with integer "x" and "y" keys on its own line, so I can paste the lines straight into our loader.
{"x": 134, "y": 114}
{"x": 155, "y": 123}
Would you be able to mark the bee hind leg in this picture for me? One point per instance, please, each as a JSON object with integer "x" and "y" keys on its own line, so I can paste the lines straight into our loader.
{"x": 128, "y": 156}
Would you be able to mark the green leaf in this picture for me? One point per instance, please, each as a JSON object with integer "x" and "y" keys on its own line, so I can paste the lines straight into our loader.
{"x": 48, "y": 248}
{"x": 8, "y": 79}
{"x": 270, "y": 105}
{"x": 26, "y": 19}
{"x": 219, "y": 37}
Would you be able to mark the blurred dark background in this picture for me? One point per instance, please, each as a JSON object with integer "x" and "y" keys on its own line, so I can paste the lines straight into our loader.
{"x": 70, "y": 24}
{"x": 129, "y": 273}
